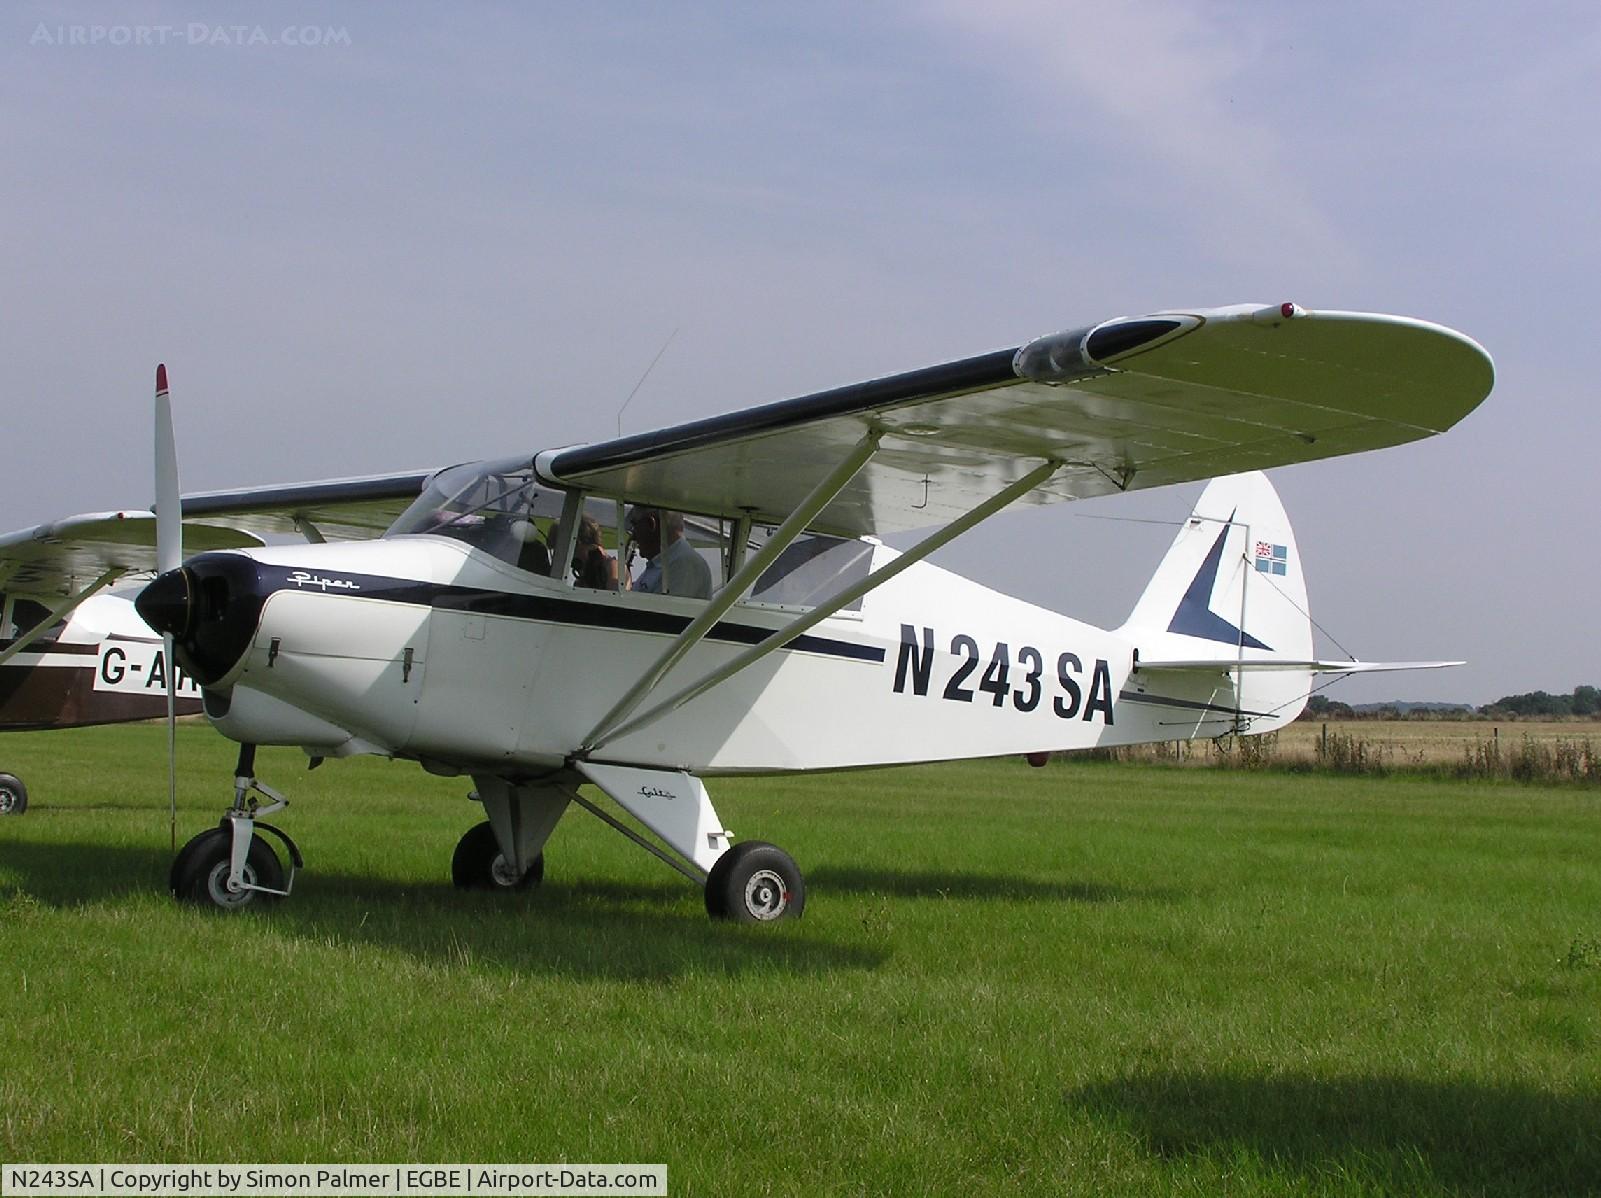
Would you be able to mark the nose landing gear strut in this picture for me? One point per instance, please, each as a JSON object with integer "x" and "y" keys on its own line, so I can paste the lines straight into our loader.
{"x": 230, "y": 867}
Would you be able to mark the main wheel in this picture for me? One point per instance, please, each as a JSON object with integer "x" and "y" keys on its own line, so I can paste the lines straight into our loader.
{"x": 755, "y": 882}
{"x": 13, "y": 795}
{"x": 204, "y": 876}
{"x": 478, "y": 864}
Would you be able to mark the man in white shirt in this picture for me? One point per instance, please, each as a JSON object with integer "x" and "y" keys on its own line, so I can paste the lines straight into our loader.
{"x": 671, "y": 569}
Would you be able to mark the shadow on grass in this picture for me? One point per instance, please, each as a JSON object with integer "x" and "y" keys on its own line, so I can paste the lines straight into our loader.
{"x": 1401, "y": 1135}
{"x": 904, "y": 883}
{"x": 599, "y": 929}
{"x": 69, "y": 875}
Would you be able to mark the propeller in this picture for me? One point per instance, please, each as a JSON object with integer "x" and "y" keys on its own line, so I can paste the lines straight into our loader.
{"x": 169, "y": 555}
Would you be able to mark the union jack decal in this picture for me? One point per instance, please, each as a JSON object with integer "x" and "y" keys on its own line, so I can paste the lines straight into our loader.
{"x": 1272, "y": 559}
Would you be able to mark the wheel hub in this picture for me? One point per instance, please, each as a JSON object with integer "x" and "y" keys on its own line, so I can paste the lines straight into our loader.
{"x": 765, "y": 895}
{"x": 500, "y": 869}
{"x": 217, "y": 886}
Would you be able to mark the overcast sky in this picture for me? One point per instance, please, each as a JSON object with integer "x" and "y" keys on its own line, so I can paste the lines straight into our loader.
{"x": 452, "y": 232}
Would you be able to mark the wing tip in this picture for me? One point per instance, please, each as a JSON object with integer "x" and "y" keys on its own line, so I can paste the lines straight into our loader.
{"x": 161, "y": 378}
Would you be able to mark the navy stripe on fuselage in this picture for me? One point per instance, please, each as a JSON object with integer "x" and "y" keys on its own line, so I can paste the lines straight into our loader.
{"x": 548, "y": 609}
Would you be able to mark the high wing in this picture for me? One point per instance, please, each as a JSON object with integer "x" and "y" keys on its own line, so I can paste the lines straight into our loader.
{"x": 1126, "y": 404}
{"x": 1130, "y": 403}
{"x": 69, "y": 560}
{"x": 336, "y": 509}
{"x": 69, "y": 555}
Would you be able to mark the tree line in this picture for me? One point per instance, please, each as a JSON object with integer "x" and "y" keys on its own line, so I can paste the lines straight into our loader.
{"x": 1581, "y": 702}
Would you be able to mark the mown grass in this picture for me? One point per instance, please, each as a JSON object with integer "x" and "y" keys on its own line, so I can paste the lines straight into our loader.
{"x": 1089, "y": 978}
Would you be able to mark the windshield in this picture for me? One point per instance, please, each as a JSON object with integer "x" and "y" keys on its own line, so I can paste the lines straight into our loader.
{"x": 495, "y": 506}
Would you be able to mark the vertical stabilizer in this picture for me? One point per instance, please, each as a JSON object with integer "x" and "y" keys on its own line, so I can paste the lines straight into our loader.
{"x": 1231, "y": 590}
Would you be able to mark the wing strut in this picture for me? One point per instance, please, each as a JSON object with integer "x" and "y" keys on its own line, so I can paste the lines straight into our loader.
{"x": 572, "y": 511}
{"x": 62, "y": 609}
{"x": 846, "y": 597}
{"x": 821, "y": 496}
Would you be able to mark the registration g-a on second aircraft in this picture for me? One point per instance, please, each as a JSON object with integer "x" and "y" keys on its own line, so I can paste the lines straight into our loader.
{"x": 482, "y": 636}
{"x": 72, "y": 651}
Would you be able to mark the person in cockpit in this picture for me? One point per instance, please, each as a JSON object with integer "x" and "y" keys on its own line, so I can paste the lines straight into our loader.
{"x": 672, "y": 566}
{"x": 592, "y": 565}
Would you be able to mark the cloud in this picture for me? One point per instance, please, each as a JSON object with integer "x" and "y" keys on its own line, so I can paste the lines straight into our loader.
{"x": 1172, "y": 83}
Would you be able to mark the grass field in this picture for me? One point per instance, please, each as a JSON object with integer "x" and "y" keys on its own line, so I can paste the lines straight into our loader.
{"x": 1091, "y": 978}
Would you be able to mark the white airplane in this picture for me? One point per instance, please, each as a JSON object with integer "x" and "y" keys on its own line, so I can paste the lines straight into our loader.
{"x": 459, "y": 639}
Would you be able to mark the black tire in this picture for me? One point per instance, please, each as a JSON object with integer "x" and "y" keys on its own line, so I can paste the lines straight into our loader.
{"x": 205, "y": 872}
{"x": 755, "y": 882}
{"x": 13, "y": 795}
{"x": 478, "y": 864}
{"x": 180, "y": 863}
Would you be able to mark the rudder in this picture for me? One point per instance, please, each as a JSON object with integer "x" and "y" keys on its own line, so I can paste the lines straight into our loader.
{"x": 1230, "y": 590}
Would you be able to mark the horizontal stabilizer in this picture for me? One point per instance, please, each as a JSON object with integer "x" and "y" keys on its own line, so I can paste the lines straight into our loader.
{"x": 1217, "y": 665}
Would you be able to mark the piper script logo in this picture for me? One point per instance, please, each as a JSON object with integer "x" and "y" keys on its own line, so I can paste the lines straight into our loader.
{"x": 1272, "y": 559}
{"x": 302, "y": 578}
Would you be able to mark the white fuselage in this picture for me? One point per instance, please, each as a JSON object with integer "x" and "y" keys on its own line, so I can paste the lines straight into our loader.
{"x": 473, "y": 663}
{"x": 426, "y": 648}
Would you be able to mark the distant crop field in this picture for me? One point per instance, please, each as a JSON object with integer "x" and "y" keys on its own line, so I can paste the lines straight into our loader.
{"x": 1437, "y": 740}
{"x": 1548, "y": 750}
{"x": 1090, "y": 978}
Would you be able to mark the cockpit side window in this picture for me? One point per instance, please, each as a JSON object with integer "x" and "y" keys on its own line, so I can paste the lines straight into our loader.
{"x": 501, "y": 509}
{"x": 809, "y": 572}
{"x": 673, "y": 553}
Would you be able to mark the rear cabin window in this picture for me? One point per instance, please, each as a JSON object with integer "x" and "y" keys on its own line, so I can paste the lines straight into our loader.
{"x": 813, "y": 570}
{"x": 23, "y": 615}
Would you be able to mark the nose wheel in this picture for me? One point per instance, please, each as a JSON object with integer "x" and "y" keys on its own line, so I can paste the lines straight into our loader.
{"x": 200, "y": 873}
{"x": 232, "y": 867}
